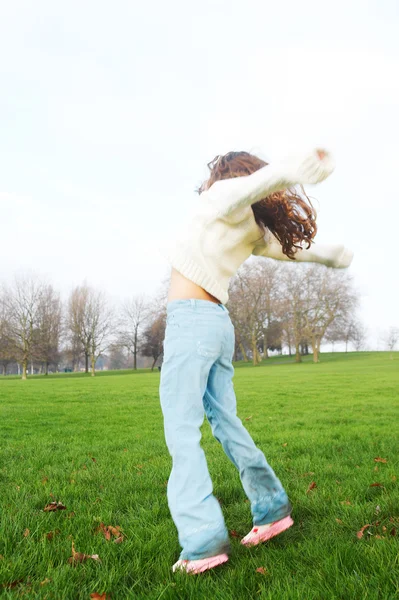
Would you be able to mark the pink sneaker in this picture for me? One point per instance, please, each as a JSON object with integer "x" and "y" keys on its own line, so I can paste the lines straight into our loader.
{"x": 201, "y": 565}
{"x": 262, "y": 533}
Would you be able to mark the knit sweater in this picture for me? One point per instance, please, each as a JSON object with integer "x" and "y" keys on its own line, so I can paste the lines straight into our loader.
{"x": 223, "y": 233}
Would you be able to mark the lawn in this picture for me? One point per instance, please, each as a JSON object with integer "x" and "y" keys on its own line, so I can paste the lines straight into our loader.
{"x": 96, "y": 445}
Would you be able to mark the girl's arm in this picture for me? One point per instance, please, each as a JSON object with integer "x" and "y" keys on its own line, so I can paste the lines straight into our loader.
{"x": 230, "y": 195}
{"x": 336, "y": 256}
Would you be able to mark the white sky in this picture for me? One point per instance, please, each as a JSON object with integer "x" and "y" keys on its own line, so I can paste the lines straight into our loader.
{"x": 109, "y": 113}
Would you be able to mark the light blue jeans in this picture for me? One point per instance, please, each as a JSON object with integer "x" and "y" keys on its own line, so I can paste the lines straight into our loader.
{"x": 196, "y": 379}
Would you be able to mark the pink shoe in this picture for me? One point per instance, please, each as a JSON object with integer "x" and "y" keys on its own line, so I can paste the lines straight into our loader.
{"x": 201, "y": 565}
{"x": 262, "y": 533}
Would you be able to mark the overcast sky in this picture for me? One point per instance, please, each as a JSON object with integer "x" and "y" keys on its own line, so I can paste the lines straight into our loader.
{"x": 109, "y": 112}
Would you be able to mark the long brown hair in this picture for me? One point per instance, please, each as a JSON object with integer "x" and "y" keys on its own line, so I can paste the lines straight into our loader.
{"x": 288, "y": 214}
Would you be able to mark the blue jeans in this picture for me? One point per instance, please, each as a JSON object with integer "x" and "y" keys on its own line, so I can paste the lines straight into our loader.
{"x": 196, "y": 379}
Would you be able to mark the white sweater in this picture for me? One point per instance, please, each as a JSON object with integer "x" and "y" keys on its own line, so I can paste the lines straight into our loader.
{"x": 224, "y": 233}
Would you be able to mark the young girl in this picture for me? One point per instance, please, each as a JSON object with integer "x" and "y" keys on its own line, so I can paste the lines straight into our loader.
{"x": 246, "y": 207}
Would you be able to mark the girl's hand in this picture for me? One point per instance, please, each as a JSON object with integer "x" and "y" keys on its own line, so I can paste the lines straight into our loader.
{"x": 312, "y": 167}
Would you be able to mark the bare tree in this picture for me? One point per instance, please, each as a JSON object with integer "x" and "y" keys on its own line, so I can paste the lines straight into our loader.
{"x": 21, "y": 303}
{"x": 391, "y": 338}
{"x": 358, "y": 335}
{"x": 90, "y": 320}
{"x": 293, "y": 307}
{"x": 48, "y": 329}
{"x": 154, "y": 335}
{"x": 328, "y": 297}
{"x": 134, "y": 314}
{"x": 6, "y": 345}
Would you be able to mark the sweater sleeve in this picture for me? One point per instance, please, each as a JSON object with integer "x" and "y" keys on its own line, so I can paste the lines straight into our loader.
{"x": 228, "y": 196}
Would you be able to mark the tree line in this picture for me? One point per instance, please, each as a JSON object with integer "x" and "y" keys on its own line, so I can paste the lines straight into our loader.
{"x": 274, "y": 307}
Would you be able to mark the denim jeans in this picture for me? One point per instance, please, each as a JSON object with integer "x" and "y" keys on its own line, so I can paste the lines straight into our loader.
{"x": 196, "y": 379}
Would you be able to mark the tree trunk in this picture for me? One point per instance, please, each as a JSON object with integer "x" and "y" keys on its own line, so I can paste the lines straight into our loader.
{"x": 93, "y": 365}
{"x": 298, "y": 357}
{"x": 4, "y": 369}
{"x": 244, "y": 354}
{"x": 289, "y": 350}
{"x": 316, "y": 350}
{"x": 31, "y": 368}
{"x": 135, "y": 351}
{"x": 153, "y": 364}
{"x": 255, "y": 353}
{"x": 86, "y": 362}
{"x": 24, "y": 369}
{"x": 46, "y": 369}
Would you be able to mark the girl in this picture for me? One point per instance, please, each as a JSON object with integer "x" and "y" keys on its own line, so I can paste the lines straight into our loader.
{"x": 247, "y": 207}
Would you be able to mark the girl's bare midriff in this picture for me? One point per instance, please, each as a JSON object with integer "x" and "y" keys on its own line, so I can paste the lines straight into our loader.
{"x": 184, "y": 289}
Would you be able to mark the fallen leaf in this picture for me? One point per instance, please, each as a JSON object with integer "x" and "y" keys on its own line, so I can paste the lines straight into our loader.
{"x": 13, "y": 584}
{"x": 379, "y": 537}
{"x": 261, "y": 570}
{"x": 377, "y": 509}
{"x": 361, "y": 531}
{"x": 97, "y": 596}
{"x": 376, "y": 485}
{"x": 381, "y": 460}
{"x": 80, "y": 556}
{"x": 393, "y": 531}
{"x": 109, "y": 530}
{"x": 51, "y": 534}
{"x": 384, "y": 528}
{"x": 93, "y": 459}
{"x": 346, "y": 502}
{"x": 312, "y": 486}
{"x": 54, "y": 506}
{"x": 233, "y": 533}
{"x": 45, "y": 581}
{"x": 248, "y": 418}
{"x": 26, "y": 532}
{"x": 339, "y": 521}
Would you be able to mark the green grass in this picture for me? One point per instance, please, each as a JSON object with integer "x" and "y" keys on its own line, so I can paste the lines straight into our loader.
{"x": 324, "y": 423}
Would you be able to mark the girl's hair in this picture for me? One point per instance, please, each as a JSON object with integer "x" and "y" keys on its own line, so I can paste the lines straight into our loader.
{"x": 288, "y": 214}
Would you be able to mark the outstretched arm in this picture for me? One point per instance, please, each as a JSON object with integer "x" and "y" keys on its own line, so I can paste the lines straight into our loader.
{"x": 230, "y": 195}
{"x": 335, "y": 255}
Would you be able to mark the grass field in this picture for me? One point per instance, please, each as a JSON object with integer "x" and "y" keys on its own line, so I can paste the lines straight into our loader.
{"x": 96, "y": 445}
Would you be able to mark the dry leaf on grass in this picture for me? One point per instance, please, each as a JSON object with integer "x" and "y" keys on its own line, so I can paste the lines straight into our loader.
{"x": 233, "y": 533}
{"x": 376, "y": 485}
{"x": 248, "y": 418}
{"x": 361, "y": 531}
{"x": 45, "y": 581}
{"x": 97, "y": 596}
{"x": 12, "y": 584}
{"x": 54, "y": 506}
{"x": 80, "y": 557}
{"x": 93, "y": 459}
{"x": 261, "y": 570}
{"x": 311, "y": 487}
{"x": 26, "y": 532}
{"x": 51, "y": 534}
{"x": 109, "y": 531}
{"x": 346, "y": 502}
{"x": 339, "y": 521}
{"x": 381, "y": 460}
